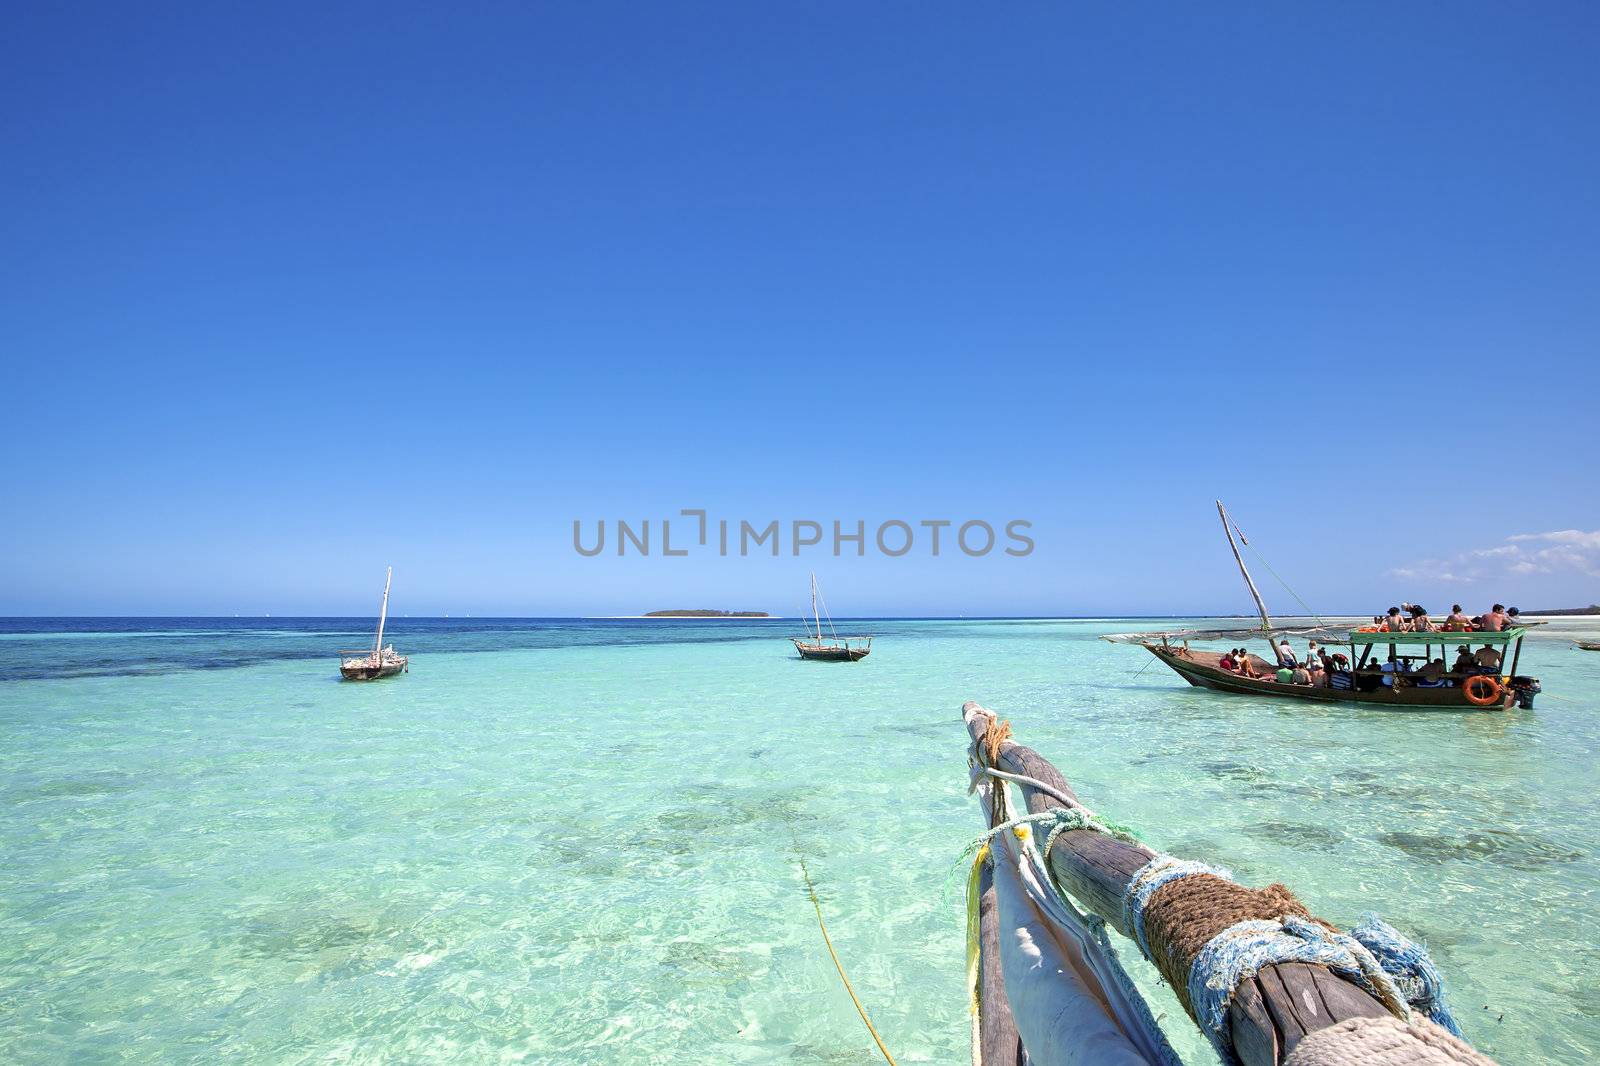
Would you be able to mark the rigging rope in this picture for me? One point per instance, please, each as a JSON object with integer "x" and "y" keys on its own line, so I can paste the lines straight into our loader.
{"x": 1263, "y": 559}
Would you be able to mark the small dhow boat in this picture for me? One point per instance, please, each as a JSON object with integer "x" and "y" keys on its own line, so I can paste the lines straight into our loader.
{"x": 834, "y": 648}
{"x": 1588, "y": 645}
{"x": 1378, "y": 669}
{"x": 380, "y": 661}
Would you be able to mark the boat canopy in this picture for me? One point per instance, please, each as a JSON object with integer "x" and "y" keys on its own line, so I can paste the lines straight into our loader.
{"x": 1502, "y": 638}
{"x": 1326, "y": 634}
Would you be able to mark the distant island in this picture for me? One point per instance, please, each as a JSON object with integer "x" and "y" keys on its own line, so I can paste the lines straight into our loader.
{"x": 707, "y": 614}
{"x": 1593, "y": 608}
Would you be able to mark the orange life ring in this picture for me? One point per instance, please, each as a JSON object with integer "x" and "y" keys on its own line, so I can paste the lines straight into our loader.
{"x": 1496, "y": 690}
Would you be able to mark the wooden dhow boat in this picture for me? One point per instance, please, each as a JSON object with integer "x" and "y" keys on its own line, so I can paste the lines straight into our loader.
{"x": 1588, "y": 645}
{"x": 833, "y": 648}
{"x": 1377, "y": 669}
{"x": 380, "y": 661}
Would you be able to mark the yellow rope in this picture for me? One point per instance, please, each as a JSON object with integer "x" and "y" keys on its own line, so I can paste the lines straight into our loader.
{"x": 974, "y": 949}
{"x": 812, "y": 891}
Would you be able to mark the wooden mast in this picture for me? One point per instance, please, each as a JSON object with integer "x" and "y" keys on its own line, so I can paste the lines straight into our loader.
{"x": 1266, "y": 620}
{"x": 814, "y": 617}
{"x": 383, "y": 615}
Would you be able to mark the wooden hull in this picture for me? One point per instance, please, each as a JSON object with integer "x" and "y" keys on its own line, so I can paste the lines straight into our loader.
{"x": 829, "y": 653}
{"x": 371, "y": 671}
{"x": 1203, "y": 669}
{"x": 1588, "y": 645}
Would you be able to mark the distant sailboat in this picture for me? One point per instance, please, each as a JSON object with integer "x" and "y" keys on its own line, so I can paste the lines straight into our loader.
{"x": 380, "y": 661}
{"x": 835, "y": 649}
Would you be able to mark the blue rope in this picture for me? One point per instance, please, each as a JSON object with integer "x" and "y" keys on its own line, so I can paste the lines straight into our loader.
{"x": 1397, "y": 971}
{"x": 1239, "y": 952}
{"x": 1159, "y": 871}
{"x": 1410, "y": 967}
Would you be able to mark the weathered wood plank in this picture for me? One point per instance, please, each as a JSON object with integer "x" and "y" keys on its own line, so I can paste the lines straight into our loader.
{"x": 997, "y": 1029}
{"x": 1269, "y": 1014}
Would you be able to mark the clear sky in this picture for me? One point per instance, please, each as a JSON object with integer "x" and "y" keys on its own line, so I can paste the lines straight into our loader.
{"x": 294, "y": 292}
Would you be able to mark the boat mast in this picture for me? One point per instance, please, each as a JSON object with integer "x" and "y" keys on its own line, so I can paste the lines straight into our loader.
{"x": 1266, "y": 620}
{"x": 814, "y": 617}
{"x": 383, "y": 615}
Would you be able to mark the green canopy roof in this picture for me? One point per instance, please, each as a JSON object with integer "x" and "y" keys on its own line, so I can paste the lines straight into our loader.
{"x": 1505, "y": 636}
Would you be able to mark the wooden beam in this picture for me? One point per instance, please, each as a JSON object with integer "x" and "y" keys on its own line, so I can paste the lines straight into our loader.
{"x": 997, "y": 1029}
{"x": 1271, "y": 1012}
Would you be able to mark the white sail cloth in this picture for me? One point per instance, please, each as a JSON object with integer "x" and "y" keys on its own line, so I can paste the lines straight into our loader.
{"x": 1073, "y": 1003}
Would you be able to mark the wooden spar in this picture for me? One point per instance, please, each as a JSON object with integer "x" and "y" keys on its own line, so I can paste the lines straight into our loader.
{"x": 997, "y": 1030}
{"x": 1270, "y": 1012}
{"x": 1266, "y": 620}
{"x": 383, "y": 615}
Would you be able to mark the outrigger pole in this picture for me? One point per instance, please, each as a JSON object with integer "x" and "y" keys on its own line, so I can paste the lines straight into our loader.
{"x": 1266, "y": 620}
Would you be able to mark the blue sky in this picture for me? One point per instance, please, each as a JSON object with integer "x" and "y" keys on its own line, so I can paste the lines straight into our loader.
{"x": 296, "y": 293}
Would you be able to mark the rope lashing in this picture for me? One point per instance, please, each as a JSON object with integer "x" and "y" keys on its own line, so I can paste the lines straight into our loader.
{"x": 1080, "y": 817}
{"x": 1411, "y": 968}
{"x": 1392, "y": 968}
{"x": 1384, "y": 1040}
{"x": 1240, "y": 951}
{"x": 1158, "y": 872}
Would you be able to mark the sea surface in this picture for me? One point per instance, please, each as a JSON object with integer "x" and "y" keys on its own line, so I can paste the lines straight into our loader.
{"x": 578, "y": 840}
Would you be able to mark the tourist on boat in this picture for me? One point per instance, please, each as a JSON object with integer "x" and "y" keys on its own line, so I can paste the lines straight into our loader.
{"x": 1393, "y": 667}
{"x": 1300, "y": 676}
{"x": 1514, "y": 616}
{"x": 1285, "y": 674}
{"x": 1228, "y": 662}
{"x": 1313, "y": 651}
{"x": 1495, "y": 620}
{"x": 1487, "y": 658}
{"x": 1394, "y": 623}
{"x": 1419, "y": 619}
{"x": 1286, "y": 654}
{"x": 1430, "y": 675}
{"x": 1246, "y": 667}
{"x": 1465, "y": 663}
{"x": 1456, "y": 621}
{"x": 1319, "y": 676}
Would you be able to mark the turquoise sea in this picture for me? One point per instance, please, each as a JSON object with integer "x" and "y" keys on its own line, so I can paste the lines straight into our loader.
{"x": 576, "y": 840}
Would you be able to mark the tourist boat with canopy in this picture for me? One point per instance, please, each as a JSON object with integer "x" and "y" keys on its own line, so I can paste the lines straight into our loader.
{"x": 1369, "y": 675}
{"x": 380, "y": 661}
{"x": 833, "y": 648}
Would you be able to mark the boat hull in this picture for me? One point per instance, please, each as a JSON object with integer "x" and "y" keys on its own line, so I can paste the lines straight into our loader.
{"x": 371, "y": 671}
{"x": 1203, "y": 670}
{"x": 830, "y": 653}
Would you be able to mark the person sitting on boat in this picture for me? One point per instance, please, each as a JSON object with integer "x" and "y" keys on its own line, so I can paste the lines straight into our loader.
{"x": 1300, "y": 676}
{"x": 1394, "y": 623}
{"x": 1513, "y": 616}
{"x": 1465, "y": 663}
{"x": 1393, "y": 667}
{"x": 1318, "y": 675}
{"x": 1495, "y": 620}
{"x": 1285, "y": 674}
{"x": 1247, "y": 665}
{"x": 1430, "y": 675}
{"x": 1228, "y": 662}
{"x": 1487, "y": 658}
{"x": 1419, "y": 619}
{"x": 1457, "y": 621}
{"x": 1286, "y": 654}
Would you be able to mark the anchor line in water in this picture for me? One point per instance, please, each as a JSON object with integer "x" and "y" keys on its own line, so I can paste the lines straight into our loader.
{"x": 811, "y": 890}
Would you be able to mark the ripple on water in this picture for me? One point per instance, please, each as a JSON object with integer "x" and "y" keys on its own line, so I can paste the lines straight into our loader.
{"x": 1298, "y": 834}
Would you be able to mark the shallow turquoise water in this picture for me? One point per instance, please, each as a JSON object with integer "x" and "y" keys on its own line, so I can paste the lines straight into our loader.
{"x": 578, "y": 840}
